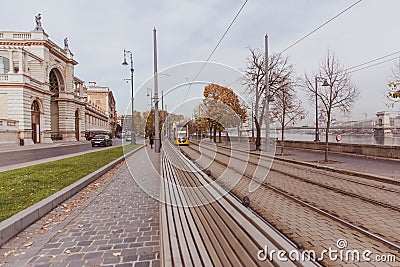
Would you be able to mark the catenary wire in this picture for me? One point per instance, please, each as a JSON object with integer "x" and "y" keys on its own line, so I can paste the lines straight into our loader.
{"x": 373, "y": 65}
{"x": 216, "y": 47}
{"x": 321, "y": 26}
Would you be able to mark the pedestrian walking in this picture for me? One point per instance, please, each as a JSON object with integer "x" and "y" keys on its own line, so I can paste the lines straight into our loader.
{"x": 151, "y": 141}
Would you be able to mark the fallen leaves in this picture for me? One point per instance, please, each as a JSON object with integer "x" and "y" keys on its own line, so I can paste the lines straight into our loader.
{"x": 8, "y": 253}
{"x": 28, "y": 244}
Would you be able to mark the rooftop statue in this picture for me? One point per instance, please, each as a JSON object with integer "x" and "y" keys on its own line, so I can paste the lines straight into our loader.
{"x": 66, "y": 44}
{"x": 38, "y": 19}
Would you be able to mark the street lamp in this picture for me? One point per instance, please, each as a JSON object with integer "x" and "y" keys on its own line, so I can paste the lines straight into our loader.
{"x": 325, "y": 83}
{"x": 133, "y": 134}
{"x": 150, "y": 93}
{"x": 252, "y": 120}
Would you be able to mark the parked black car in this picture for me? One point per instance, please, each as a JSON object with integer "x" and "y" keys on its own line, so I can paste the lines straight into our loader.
{"x": 101, "y": 140}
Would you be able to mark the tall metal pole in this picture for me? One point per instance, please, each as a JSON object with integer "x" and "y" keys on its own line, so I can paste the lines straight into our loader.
{"x": 162, "y": 111}
{"x": 151, "y": 97}
{"x": 316, "y": 110}
{"x": 252, "y": 120}
{"x": 267, "y": 131}
{"x": 133, "y": 134}
{"x": 156, "y": 122}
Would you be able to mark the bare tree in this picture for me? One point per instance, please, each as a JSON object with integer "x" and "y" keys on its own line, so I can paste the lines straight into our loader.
{"x": 340, "y": 94}
{"x": 280, "y": 76}
{"x": 287, "y": 110}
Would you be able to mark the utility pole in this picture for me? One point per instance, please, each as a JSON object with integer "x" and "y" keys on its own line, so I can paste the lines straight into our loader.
{"x": 162, "y": 112}
{"x": 133, "y": 129}
{"x": 316, "y": 111}
{"x": 267, "y": 131}
{"x": 156, "y": 122}
{"x": 252, "y": 120}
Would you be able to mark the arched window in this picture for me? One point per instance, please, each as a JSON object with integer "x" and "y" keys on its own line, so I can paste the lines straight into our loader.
{"x": 56, "y": 82}
{"x": 35, "y": 120}
{"x": 35, "y": 106}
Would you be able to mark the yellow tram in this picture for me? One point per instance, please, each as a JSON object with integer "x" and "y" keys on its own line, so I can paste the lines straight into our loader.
{"x": 181, "y": 137}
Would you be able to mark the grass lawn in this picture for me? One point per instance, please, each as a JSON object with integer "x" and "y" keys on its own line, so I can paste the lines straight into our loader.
{"x": 24, "y": 187}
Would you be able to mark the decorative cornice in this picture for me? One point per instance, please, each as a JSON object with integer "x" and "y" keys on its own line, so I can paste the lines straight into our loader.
{"x": 53, "y": 48}
{"x": 25, "y": 86}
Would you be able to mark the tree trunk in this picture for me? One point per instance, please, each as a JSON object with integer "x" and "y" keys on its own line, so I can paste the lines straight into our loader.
{"x": 258, "y": 135}
{"x": 282, "y": 139}
{"x": 328, "y": 125}
{"x": 219, "y": 137}
{"x": 283, "y": 130}
{"x": 215, "y": 135}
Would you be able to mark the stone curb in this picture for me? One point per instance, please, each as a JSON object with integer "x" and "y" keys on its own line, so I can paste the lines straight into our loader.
{"x": 18, "y": 222}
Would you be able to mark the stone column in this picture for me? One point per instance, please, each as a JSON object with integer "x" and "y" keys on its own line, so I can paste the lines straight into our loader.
{"x": 10, "y": 55}
{"x": 25, "y": 57}
{"x": 20, "y": 61}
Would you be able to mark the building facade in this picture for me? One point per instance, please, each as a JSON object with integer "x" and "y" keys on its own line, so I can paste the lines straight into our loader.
{"x": 41, "y": 100}
{"x": 102, "y": 98}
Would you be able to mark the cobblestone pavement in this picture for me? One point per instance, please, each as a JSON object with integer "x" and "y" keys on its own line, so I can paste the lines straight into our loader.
{"x": 299, "y": 223}
{"x": 110, "y": 223}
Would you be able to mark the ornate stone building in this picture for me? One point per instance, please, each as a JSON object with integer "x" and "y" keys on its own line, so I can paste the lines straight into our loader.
{"x": 103, "y": 98}
{"x": 41, "y": 100}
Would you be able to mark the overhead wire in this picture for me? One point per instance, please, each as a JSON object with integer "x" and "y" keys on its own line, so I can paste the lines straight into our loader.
{"x": 321, "y": 26}
{"x": 217, "y": 45}
{"x": 373, "y": 65}
{"x": 360, "y": 65}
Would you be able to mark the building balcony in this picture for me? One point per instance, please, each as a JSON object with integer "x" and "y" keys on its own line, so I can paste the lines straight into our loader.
{"x": 20, "y": 78}
{"x": 18, "y": 36}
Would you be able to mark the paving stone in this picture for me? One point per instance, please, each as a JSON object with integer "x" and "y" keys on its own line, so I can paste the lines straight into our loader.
{"x": 155, "y": 263}
{"x": 101, "y": 224}
{"x": 112, "y": 260}
{"x": 142, "y": 264}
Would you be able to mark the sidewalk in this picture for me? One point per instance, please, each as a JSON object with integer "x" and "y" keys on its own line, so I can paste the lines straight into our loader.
{"x": 380, "y": 167}
{"x": 112, "y": 222}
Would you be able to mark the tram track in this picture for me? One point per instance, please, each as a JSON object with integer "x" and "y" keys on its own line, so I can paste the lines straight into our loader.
{"x": 384, "y": 240}
{"x": 391, "y": 194}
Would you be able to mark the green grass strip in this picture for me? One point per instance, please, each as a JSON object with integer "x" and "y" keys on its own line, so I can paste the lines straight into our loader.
{"x": 24, "y": 187}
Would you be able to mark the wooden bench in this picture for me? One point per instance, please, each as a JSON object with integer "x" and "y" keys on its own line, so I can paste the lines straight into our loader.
{"x": 221, "y": 232}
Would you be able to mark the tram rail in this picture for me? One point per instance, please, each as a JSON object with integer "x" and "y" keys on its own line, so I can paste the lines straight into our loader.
{"x": 388, "y": 242}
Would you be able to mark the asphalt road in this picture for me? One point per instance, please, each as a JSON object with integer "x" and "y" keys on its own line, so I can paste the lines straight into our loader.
{"x": 22, "y": 156}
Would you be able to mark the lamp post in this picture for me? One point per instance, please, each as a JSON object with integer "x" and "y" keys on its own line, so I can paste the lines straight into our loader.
{"x": 325, "y": 83}
{"x": 150, "y": 93}
{"x": 157, "y": 144}
{"x": 267, "y": 99}
{"x": 133, "y": 134}
{"x": 252, "y": 120}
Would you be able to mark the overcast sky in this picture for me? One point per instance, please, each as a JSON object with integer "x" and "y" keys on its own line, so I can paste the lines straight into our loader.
{"x": 99, "y": 30}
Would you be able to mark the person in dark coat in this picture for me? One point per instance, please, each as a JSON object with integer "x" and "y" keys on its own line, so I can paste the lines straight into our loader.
{"x": 151, "y": 141}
